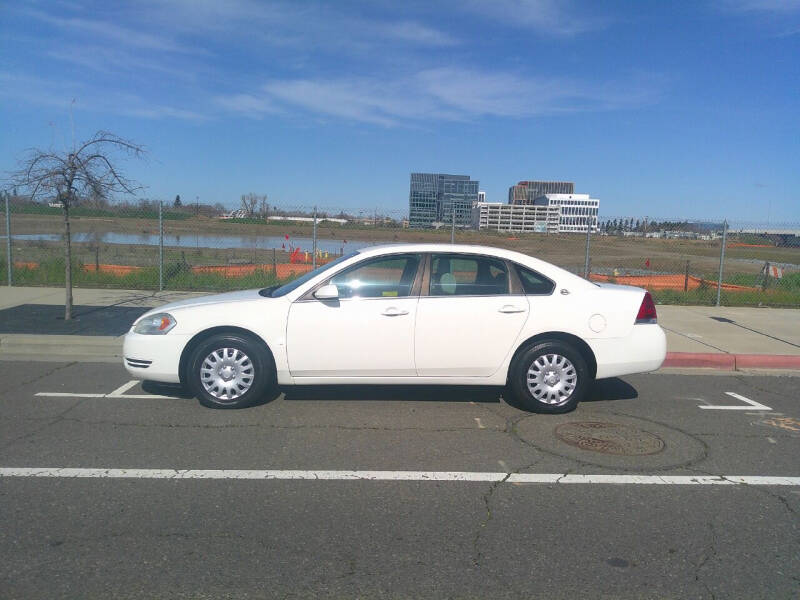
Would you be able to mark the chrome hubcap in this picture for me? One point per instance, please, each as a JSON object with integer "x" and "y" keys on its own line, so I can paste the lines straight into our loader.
{"x": 227, "y": 373}
{"x": 552, "y": 379}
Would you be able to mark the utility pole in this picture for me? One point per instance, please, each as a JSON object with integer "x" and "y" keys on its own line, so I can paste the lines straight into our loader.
{"x": 160, "y": 246}
{"x": 314, "y": 257}
{"x": 8, "y": 239}
{"x": 453, "y": 226}
{"x": 588, "y": 239}
{"x": 722, "y": 258}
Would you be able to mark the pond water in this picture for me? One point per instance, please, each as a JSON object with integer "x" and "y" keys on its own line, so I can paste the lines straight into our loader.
{"x": 205, "y": 241}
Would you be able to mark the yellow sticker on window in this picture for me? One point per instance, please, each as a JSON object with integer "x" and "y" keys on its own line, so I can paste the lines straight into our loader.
{"x": 389, "y": 293}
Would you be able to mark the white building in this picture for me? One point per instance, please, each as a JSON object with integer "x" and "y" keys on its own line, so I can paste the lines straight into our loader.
{"x": 481, "y": 196}
{"x": 514, "y": 217}
{"x": 551, "y": 213}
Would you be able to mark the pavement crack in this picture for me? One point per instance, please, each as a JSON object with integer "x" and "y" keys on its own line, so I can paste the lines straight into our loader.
{"x": 759, "y": 489}
{"x": 708, "y": 554}
{"x": 60, "y": 417}
{"x": 477, "y": 554}
{"x": 274, "y": 426}
{"x": 42, "y": 375}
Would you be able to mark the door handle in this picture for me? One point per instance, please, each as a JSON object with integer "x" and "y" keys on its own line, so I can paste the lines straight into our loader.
{"x": 394, "y": 312}
{"x": 510, "y": 308}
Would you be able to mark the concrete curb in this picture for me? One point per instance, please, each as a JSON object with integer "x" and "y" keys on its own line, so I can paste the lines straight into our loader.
{"x": 731, "y": 362}
{"x": 71, "y": 348}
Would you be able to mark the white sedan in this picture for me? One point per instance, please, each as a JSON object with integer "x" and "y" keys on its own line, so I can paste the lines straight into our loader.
{"x": 405, "y": 314}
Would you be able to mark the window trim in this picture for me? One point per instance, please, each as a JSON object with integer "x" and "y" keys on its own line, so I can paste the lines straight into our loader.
{"x": 522, "y": 286}
{"x": 426, "y": 284}
{"x": 415, "y": 285}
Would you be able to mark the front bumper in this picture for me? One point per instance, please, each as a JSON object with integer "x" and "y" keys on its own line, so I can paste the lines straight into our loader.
{"x": 154, "y": 357}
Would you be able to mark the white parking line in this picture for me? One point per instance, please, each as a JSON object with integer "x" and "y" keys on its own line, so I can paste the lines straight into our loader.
{"x": 469, "y": 476}
{"x": 117, "y": 393}
{"x": 124, "y": 388}
{"x": 751, "y": 404}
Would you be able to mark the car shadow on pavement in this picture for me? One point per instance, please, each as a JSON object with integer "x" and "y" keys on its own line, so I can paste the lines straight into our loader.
{"x": 402, "y": 393}
{"x": 158, "y": 388}
{"x": 611, "y": 389}
{"x": 601, "y": 390}
{"x": 179, "y": 391}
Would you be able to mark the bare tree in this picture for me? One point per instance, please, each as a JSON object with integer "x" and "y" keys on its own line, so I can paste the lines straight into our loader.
{"x": 88, "y": 170}
{"x": 249, "y": 204}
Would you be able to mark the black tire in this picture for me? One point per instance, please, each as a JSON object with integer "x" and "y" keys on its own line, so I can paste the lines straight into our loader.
{"x": 258, "y": 368}
{"x": 560, "y": 397}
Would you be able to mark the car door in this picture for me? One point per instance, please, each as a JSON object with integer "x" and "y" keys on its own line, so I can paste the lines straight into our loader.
{"x": 467, "y": 320}
{"x": 368, "y": 331}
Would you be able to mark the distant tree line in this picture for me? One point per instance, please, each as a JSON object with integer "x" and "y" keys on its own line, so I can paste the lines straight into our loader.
{"x": 612, "y": 226}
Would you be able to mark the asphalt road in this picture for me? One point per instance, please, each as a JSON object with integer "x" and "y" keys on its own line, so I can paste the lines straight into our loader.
{"x": 207, "y": 538}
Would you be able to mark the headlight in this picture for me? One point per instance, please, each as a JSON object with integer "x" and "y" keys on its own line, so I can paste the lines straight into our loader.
{"x": 157, "y": 324}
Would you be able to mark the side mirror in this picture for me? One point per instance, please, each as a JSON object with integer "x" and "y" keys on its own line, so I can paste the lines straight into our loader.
{"x": 327, "y": 292}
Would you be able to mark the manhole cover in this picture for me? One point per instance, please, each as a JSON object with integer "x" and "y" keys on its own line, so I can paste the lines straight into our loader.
{"x": 609, "y": 438}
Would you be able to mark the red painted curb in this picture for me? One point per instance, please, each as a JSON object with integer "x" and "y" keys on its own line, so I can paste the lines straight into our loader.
{"x": 767, "y": 361}
{"x": 731, "y": 362}
{"x": 706, "y": 360}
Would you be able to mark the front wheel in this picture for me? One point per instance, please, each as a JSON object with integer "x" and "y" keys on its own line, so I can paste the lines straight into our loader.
{"x": 229, "y": 371}
{"x": 549, "y": 377}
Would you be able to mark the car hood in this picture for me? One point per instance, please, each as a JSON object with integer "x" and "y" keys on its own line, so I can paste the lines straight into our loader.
{"x": 241, "y": 296}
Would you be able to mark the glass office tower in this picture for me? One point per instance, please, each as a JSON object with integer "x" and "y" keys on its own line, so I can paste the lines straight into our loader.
{"x": 434, "y": 198}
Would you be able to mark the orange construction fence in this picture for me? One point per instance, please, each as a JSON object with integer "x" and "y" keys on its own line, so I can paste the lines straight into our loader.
{"x": 669, "y": 281}
{"x": 675, "y": 281}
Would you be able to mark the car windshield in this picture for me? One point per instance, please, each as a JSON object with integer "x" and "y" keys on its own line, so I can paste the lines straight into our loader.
{"x": 293, "y": 285}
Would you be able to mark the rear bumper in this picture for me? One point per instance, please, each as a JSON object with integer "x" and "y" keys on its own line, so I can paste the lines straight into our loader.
{"x": 643, "y": 350}
{"x": 153, "y": 357}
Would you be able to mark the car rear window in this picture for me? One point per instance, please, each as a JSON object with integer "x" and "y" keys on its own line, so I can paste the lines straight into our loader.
{"x": 533, "y": 283}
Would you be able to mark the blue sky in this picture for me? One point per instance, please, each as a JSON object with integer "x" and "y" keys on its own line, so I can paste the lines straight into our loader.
{"x": 684, "y": 109}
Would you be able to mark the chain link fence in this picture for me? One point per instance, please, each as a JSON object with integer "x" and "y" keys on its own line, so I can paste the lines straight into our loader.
{"x": 153, "y": 245}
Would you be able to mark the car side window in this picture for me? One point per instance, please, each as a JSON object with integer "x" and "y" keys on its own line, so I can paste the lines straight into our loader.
{"x": 533, "y": 283}
{"x": 383, "y": 277}
{"x": 465, "y": 275}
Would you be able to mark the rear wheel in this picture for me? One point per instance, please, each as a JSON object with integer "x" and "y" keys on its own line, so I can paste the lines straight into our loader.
{"x": 549, "y": 377}
{"x": 229, "y": 371}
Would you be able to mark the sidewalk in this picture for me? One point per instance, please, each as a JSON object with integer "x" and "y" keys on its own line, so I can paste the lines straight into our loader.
{"x": 731, "y": 338}
{"x": 697, "y": 336}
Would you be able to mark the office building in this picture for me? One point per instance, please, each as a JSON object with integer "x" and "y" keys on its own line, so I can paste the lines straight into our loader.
{"x": 550, "y": 213}
{"x": 498, "y": 216}
{"x": 577, "y": 212}
{"x": 525, "y": 192}
{"x": 435, "y": 199}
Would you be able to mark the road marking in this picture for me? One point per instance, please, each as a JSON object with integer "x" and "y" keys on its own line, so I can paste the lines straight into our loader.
{"x": 480, "y": 425}
{"x": 751, "y": 404}
{"x": 68, "y": 395}
{"x": 469, "y": 476}
{"x": 117, "y": 393}
{"x": 124, "y": 388}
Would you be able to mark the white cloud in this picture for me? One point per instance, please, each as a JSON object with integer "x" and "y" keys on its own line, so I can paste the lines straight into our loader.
{"x": 768, "y": 6}
{"x": 112, "y": 32}
{"x": 449, "y": 93}
{"x": 39, "y": 91}
{"x": 549, "y": 17}
{"x": 247, "y": 104}
{"x": 417, "y": 33}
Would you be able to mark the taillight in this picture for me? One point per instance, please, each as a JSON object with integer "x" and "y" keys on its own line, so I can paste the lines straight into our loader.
{"x": 647, "y": 311}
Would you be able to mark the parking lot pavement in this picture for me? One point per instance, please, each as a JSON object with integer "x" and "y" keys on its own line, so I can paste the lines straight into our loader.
{"x": 418, "y": 491}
